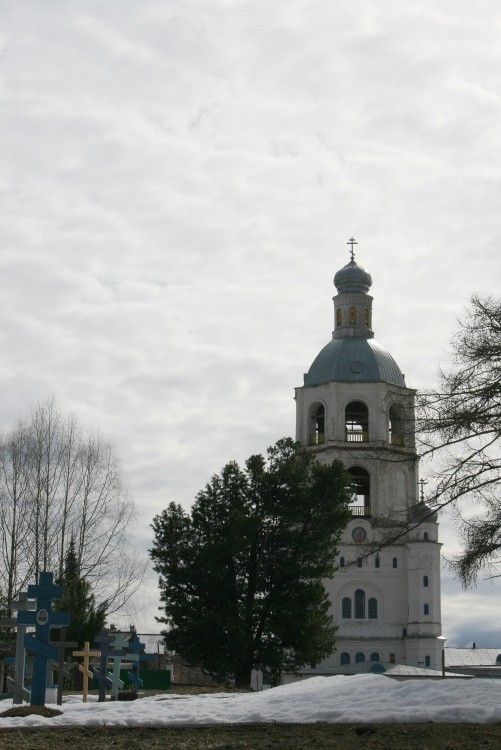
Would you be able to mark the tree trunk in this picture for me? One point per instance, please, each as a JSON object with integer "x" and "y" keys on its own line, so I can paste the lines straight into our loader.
{"x": 243, "y": 677}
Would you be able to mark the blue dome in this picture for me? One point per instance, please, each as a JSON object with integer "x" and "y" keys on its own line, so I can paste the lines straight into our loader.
{"x": 352, "y": 278}
{"x": 422, "y": 513}
{"x": 354, "y": 359}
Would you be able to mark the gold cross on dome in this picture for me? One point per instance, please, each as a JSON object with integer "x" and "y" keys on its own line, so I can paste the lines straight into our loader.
{"x": 352, "y": 242}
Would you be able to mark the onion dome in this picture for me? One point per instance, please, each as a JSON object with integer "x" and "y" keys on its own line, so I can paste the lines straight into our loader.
{"x": 353, "y": 355}
{"x": 422, "y": 513}
{"x": 352, "y": 278}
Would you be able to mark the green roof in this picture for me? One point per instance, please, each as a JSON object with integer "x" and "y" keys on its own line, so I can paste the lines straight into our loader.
{"x": 354, "y": 359}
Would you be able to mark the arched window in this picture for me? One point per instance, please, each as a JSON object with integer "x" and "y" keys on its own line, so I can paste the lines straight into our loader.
{"x": 342, "y": 562}
{"x": 372, "y": 608}
{"x": 362, "y": 489}
{"x": 359, "y": 604}
{"x": 366, "y": 317}
{"x": 357, "y": 422}
{"x": 377, "y": 562}
{"x": 427, "y": 661}
{"x": 345, "y": 658}
{"x": 425, "y": 581}
{"x": 353, "y": 316}
{"x": 339, "y": 317}
{"x": 374, "y": 656}
{"x": 396, "y": 425}
{"x": 346, "y": 607}
{"x": 360, "y": 562}
{"x": 394, "y": 562}
{"x": 359, "y": 657}
{"x": 425, "y": 536}
{"x": 317, "y": 424}
{"x": 427, "y": 609}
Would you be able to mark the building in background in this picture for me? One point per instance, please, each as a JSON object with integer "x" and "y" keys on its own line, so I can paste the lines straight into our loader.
{"x": 355, "y": 406}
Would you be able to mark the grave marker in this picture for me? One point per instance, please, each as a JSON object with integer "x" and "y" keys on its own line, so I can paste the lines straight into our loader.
{"x": 119, "y": 643}
{"x": 20, "y": 693}
{"x": 137, "y": 649}
{"x": 43, "y": 618}
{"x": 60, "y": 670}
{"x": 84, "y": 668}
{"x": 106, "y": 652}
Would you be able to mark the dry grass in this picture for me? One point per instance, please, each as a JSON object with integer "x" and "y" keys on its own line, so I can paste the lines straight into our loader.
{"x": 30, "y": 710}
{"x": 262, "y": 736}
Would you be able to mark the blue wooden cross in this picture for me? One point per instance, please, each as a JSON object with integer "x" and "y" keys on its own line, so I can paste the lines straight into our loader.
{"x": 119, "y": 643}
{"x": 107, "y": 651}
{"x": 137, "y": 648}
{"x": 44, "y": 619}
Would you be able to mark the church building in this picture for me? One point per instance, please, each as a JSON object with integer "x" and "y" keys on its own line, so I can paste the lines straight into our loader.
{"x": 355, "y": 406}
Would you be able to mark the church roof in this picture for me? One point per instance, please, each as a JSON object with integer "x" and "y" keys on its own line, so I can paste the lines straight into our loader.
{"x": 352, "y": 278}
{"x": 354, "y": 359}
{"x": 422, "y": 513}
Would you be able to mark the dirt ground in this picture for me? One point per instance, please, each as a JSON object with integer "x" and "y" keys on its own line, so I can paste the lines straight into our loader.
{"x": 261, "y": 736}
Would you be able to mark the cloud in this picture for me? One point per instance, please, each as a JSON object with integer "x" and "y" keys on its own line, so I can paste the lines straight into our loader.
{"x": 178, "y": 184}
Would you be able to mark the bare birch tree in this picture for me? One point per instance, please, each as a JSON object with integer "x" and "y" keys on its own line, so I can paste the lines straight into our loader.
{"x": 15, "y": 512}
{"x": 56, "y": 484}
{"x": 102, "y": 517}
{"x": 46, "y": 446}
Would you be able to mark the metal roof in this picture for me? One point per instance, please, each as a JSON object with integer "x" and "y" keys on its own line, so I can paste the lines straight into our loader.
{"x": 386, "y": 668}
{"x": 352, "y": 278}
{"x": 472, "y": 657}
{"x": 354, "y": 359}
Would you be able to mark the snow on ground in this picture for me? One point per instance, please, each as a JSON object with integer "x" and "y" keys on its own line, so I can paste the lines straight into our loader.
{"x": 359, "y": 698}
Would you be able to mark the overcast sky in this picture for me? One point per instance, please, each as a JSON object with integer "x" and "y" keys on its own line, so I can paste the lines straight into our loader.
{"x": 179, "y": 179}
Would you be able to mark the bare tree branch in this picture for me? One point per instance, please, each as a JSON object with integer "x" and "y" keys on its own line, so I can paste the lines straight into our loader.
{"x": 56, "y": 485}
{"x": 459, "y": 426}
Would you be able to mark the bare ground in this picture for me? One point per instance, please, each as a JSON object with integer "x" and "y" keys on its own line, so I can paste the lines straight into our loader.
{"x": 262, "y": 736}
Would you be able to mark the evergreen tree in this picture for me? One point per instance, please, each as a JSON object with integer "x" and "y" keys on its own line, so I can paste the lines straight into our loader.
{"x": 87, "y": 619}
{"x": 241, "y": 576}
{"x": 71, "y": 569}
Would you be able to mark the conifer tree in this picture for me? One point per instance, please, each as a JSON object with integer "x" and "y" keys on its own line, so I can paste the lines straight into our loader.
{"x": 87, "y": 619}
{"x": 241, "y": 576}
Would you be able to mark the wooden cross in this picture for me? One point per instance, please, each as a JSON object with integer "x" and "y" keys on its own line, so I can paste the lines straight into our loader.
{"x": 352, "y": 242}
{"x": 87, "y": 674}
{"x": 101, "y": 674}
{"x": 8, "y": 622}
{"x": 44, "y": 618}
{"x": 20, "y": 693}
{"x": 137, "y": 649}
{"x": 61, "y": 645}
{"x": 119, "y": 643}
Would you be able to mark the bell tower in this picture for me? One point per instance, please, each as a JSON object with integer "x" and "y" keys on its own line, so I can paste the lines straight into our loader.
{"x": 355, "y": 406}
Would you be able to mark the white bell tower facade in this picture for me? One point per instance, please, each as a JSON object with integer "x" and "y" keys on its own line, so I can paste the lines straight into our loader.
{"x": 355, "y": 406}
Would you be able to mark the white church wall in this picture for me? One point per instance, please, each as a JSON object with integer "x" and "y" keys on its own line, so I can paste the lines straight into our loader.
{"x": 368, "y": 424}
